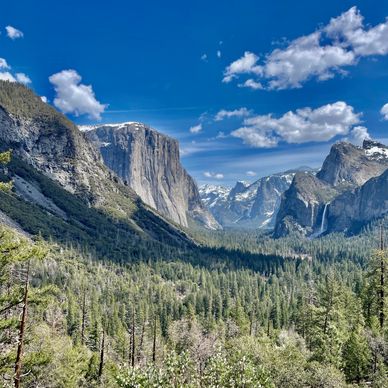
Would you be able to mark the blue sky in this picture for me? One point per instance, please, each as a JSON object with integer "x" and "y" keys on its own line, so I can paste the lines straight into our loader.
{"x": 174, "y": 65}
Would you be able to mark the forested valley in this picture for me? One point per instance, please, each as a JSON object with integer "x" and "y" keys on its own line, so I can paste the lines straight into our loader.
{"x": 239, "y": 310}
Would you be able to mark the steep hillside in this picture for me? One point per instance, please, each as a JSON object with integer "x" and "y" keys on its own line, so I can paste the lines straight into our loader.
{"x": 48, "y": 148}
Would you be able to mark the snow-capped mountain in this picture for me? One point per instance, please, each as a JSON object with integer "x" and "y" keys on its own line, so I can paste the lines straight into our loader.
{"x": 248, "y": 205}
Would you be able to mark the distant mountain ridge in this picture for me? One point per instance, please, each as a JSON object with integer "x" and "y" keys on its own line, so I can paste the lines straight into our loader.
{"x": 248, "y": 205}
{"x": 348, "y": 191}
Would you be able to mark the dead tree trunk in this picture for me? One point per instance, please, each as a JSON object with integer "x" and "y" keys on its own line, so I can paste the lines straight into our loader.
{"x": 133, "y": 345}
{"x": 101, "y": 366}
{"x": 382, "y": 279}
{"x": 83, "y": 318}
{"x": 154, "y": 342}
{"x": 140, "y": 347}
{"x": 19, "y": 354}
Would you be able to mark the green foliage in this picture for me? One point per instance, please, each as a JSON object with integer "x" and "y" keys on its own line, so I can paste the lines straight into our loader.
{"x": 5, "y": 158}
{"x": 22, "y": 102}
{"x": 356, "y": 356}
{"x": 16, "y": 256}
{"x": 211, "y": 316}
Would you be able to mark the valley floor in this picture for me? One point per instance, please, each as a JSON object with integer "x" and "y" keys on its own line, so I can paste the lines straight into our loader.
{"x": 307, "y": 313}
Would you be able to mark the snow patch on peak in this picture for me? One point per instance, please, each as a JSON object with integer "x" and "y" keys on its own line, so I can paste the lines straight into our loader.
{"x": 87, "y": 128}
{"x": 377, "y": 152}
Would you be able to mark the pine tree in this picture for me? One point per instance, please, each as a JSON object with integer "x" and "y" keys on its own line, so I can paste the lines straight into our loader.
{"x": 356, "y": 356}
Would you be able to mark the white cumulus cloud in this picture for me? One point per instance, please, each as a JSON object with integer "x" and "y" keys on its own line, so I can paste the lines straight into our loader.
{"x": 6, "y": 74}
{"x": 384, "y": 111}
{"x": 13, "y": 32}
{"x": 251, "y": 173}
{"x": 358, "y": 134}
{"x": 348, "y": 30}
{"x": 303, "y": 125}
{"x": 246, "y": 64}
{"x": 74, "y": 97}
{"x": 23, "y": 78}
{"x": 321, "y": 55}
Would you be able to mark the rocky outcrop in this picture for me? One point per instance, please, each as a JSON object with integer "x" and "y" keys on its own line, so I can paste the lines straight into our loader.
{"x": 348, "y": 164}
{"x": 149, "y": 163}
{"x": 346, "y": 193}
{"x": 51, "y": 143}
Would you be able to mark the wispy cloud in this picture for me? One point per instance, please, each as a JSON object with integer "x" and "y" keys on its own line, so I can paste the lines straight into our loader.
{"x": 214, "y": 175}
{"x": 3, "y": 64}
{"x": 196, "y": 129}
{"x": 204, "y": 147}
{"x": 13, "y": 33}
{"x": 225, "y": 114}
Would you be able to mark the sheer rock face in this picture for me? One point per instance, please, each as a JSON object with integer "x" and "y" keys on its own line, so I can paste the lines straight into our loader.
{"x": 349, "y": 211}
{"x": 303, "y": 204}
{"x": 347, "y": 192}
{"x": 149, "y": 163}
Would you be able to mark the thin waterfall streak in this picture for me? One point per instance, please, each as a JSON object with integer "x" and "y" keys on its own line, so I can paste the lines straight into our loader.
{"x": 324, "y": 218}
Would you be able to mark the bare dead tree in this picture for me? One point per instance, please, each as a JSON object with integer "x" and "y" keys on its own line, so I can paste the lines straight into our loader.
{"x": 83, "y": 323}
{"x": 154, "y": 342}
{"x": 102, "y": 351}
{"x": 133, "y": 345}
{"x": 382, "y": 279}
{"x": 19, "y": 354}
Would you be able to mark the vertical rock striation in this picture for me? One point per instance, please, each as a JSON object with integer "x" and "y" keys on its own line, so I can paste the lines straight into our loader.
{"x": 149, "y": 163}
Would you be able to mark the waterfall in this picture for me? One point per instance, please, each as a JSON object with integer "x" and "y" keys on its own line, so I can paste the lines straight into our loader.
{"x": 324, "y": 218}
{"x": 312, "y": 214}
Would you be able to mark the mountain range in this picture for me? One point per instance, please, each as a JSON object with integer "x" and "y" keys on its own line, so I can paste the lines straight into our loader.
{"x": 248, "y": 205}
{"x": 124, "y": 184}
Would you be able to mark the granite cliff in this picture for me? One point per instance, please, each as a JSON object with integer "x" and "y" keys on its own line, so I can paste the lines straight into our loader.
{"x": 149, "y": 163}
